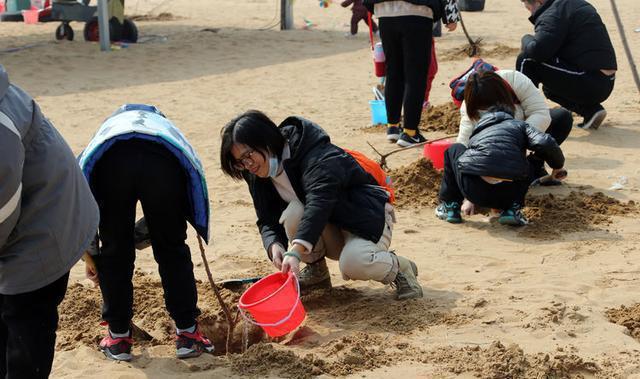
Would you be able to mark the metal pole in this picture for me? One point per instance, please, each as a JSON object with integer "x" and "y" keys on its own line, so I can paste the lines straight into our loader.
{"x": 634, "y": 71}
{"x": 286, "y": 15}
{"x": 103, "y": 25}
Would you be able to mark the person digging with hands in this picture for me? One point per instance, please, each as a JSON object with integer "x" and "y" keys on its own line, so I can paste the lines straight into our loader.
{"x": 314, "y": 201}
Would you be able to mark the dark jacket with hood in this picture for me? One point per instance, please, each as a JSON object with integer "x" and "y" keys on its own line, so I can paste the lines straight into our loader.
{"x": 573, "y": 32}
{"x": 498, "y": 146}
{"x": 328, "y": 181}
{"x": 447, "y": 10}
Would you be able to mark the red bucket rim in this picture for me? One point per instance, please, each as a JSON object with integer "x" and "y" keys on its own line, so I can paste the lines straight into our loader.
{"x": 241, "y": 303}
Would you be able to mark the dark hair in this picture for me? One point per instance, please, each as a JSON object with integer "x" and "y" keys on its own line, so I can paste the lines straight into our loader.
{"x": 254, "y": 129}
{"x": 486, "y": 90}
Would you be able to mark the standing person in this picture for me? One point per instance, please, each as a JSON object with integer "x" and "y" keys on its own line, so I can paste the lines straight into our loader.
{"x": 313, "y": 200}
{"x": 358, "y": 13}
{"x": 431, "y": 74}
{"x": 493, "y": 170}
{"x": 47, "y": 220}
{"x": 531, "y": 107}
{"x": 406, "y": 28}
{"x": 571, "y": 55}
{"x": 139, "y": 155}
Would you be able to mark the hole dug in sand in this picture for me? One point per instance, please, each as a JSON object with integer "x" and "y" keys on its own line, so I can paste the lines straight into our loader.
{"x": 80, "y": 317}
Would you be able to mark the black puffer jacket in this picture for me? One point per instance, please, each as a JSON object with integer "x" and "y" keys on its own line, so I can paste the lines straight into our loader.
{"x": 573, "y": 32}
{"x": 498, "y": 146}
{"x": 447, "y": 10}
{"x": 328, "y": 181}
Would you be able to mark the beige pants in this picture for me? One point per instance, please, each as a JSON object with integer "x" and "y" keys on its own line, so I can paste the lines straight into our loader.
{"x": 359, "y": 258}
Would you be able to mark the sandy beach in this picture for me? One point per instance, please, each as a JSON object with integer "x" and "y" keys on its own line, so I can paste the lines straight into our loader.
{"x": 558, "y": 298}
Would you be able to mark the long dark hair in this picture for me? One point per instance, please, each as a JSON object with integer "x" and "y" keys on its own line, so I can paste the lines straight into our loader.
{"x": 486, "y": 90}
{"x": 254, "y": 129}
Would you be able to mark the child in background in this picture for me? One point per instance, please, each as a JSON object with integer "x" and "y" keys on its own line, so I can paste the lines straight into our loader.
{"x": 359, "y": 12}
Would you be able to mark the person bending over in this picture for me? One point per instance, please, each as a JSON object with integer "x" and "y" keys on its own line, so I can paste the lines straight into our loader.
{"x": 314, "y": 201}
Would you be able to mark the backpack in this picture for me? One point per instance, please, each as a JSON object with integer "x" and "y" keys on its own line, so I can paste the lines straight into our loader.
{"x": 458, "y": 83}
{"x": 373, "y": 168}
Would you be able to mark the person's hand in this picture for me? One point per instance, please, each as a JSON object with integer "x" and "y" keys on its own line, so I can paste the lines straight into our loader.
{"x": 90, "y": 269}
{"x": 559, "y": 173}
{"x": 291, "y": 262}
{"x": 468, "y": 208}
{"x": 451, "y": 26}
{"x": 277, "y": 253}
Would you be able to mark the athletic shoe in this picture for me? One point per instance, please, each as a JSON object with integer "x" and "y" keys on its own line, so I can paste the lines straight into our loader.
{"x": 406, "y": 282}
{"x": 118, "y": 349}
{"x": 315, "y": 276}
{"x": 450, "y": 212}
{"x": 594, "y": 121}
{"x": 141, "y": 235}
{"x": 393, "y": 133}
{"x": 405, "y": 140}
{"x": 190, "y": 345}
{"x": 513, "y": 216}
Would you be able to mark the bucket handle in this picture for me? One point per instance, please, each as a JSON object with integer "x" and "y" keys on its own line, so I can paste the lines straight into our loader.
{"x": 285, "y": 319}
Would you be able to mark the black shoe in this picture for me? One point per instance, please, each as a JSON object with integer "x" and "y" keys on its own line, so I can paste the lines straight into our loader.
{"x": 594, "y": 120}
{"x": 393, "y": 133}
{"x": 405, "y": 140}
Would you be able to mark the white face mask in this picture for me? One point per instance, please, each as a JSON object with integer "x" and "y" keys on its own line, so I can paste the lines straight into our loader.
{"x": 274, "y": 165}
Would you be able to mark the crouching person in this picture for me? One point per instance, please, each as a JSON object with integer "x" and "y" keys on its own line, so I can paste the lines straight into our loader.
{"x": 314, "y": 201}
{"x": 47, "y": 220}
{"x": 139, "y": 155}
{"x": 493, "y": 171}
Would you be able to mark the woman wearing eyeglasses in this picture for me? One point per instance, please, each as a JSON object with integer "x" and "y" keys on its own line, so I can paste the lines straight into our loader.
{"x": 314, "y": 201}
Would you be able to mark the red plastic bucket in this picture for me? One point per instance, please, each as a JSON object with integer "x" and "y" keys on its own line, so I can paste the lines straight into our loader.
{"x": 274, "y": 303}
{"x": 31, "y": 16}
{"x": 434, "y": 151}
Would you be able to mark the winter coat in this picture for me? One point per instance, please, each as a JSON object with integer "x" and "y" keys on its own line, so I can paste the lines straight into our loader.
{"x": 498, "y": 145}
{"x": 447, "y": 10}
{"x": 573, "y": 32}
{"x": 327, "y": 180}
{"x": 357, "y": 9}
{"x": 47, "y": 213}
{"x": 531, "y": 108}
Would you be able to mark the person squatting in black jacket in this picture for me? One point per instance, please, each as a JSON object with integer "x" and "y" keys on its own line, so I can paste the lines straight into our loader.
{"x": 313, "y": 197}
{"x": 406, "y": 31}
{"x": 571, "y": 55}
{"x": 493, "y": 171}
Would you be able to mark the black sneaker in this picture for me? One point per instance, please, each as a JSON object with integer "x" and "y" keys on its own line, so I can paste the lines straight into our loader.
{"x": 513, "y": 216}
{"x": 118, "y": 349}
{"x": 192, "y": 344}
{"x": 405, "y": 140}
{"x": 393, "y": 133}
{"x": 594, "y": 121}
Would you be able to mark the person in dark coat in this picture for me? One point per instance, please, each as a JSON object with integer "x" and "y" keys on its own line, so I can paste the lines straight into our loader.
{"x": 571, "y": 55}
{"x": 493, "y": 170}
{"x": 358, "y": 13}
{"x": 313, "y": 200}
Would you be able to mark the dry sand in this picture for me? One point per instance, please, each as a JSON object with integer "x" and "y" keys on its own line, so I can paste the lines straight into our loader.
{"x": 555, "y": 299}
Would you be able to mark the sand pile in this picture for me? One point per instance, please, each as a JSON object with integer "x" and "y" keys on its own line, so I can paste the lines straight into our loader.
{"x": 629, "y": 317}
{"x": 498, "y": 51}
{"x": 441, "y": 118}
{"x": 416, "y": 184}
{"x": 551, "y": 216}
{"x": 164, "y": 16}
{"x": 80, "y": 316}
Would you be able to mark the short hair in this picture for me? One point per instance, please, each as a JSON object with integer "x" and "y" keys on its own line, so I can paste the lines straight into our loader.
{"x": 254, "y": 129}
{"x": 486, "y": 90}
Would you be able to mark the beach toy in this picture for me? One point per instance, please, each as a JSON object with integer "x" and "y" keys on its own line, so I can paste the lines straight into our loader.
{"x": 325, "y": 3}
{"x": 378, "y": 112}
{"x": 274, "y": 303}
{"x": 31, "y": 16}
{"x": 471, "y": 5}
{"x": 434, "y": 151}
{"x": 379, "y": 60}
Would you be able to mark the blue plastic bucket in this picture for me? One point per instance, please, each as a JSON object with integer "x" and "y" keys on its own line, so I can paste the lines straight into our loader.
{"x": 378, "y": 112}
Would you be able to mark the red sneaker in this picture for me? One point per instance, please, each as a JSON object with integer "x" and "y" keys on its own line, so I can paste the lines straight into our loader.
{"x": 118, "y": 349}
{"x": 192, "y": 344}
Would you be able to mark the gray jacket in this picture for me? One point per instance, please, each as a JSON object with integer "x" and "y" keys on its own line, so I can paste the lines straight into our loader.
{"x": 47, "y": 213}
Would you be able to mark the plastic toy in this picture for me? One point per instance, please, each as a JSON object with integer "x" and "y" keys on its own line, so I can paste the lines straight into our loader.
{"x": 325, "y": 3}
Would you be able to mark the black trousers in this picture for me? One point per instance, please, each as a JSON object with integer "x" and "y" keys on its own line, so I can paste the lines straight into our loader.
{"x": 28, "y": 331}
{"x": 456, "y": 186}
{"x": 407, "y": 47}
{"x": 355, "y": 19}
{"x": 578, "y": 91}
{"x": 559, "y": 129}
{"x": 143, "y": 170}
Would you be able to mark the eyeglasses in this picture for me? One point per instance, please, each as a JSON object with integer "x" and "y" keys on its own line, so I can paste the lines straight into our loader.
{"x": 245, "y": 160}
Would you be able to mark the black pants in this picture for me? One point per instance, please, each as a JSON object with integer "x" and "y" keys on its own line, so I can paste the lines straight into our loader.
{"x": 457, "y": 186}
{"x": 142, "y": 170}
{"x": 578, "y": 91}
{"x": 559, "y": 129}
{"x": 355, "y": 19}
{"x": 407, "y": 47}
{"x": 28, "y": 331}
